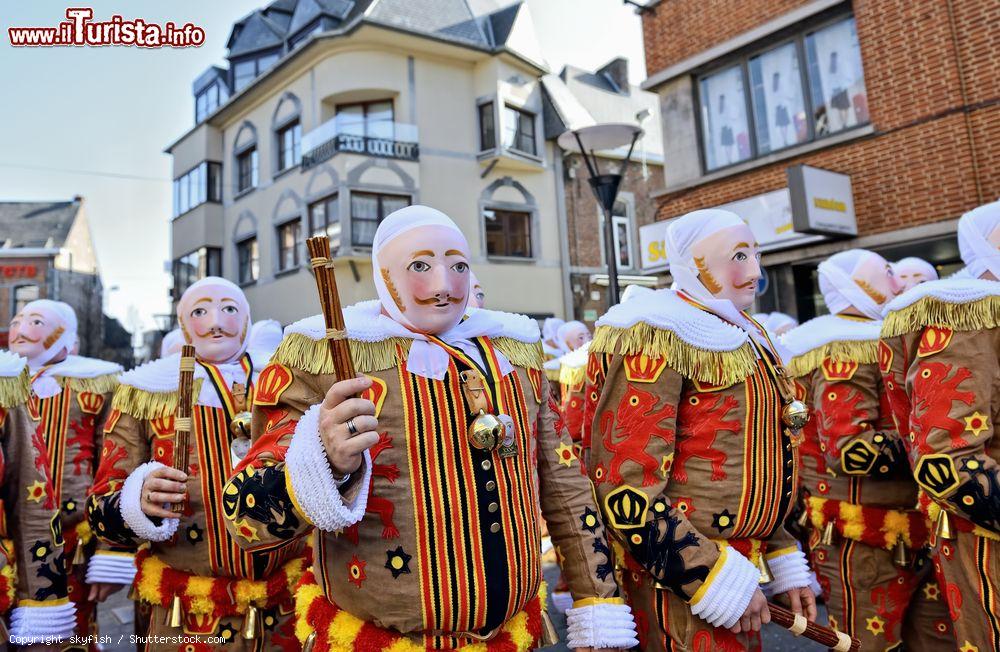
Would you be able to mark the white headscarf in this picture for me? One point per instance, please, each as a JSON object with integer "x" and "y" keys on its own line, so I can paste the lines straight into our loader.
{"x": 914, "y": 265}
{"x": 171, "y": 343}
{"x": 61, "y": 315}
{"x": 183, "y": 307}
{"x": 974, "y": 229}
{"x": 568, "y": 329}
{"x": 682, "y": 235}
{"x": 839, "y": 289}
{"x": 775, "y": 321}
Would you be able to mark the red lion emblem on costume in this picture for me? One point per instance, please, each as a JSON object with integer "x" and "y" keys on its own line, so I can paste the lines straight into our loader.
{"x": 840, "y": 416}
{"x": 890, "y": 602}
{"x": 702, "y": 418}
{"x": 83, "y": 437}
{"x": 376, "y": 504}
{"x": 637, "y": 421}
{"x": 894, "y": 398}
{"x": 933, "y": 395}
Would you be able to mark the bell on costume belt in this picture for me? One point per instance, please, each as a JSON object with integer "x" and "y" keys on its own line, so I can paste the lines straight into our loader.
{"x": 795, "y": 414}
{"x": 240, "y": 425}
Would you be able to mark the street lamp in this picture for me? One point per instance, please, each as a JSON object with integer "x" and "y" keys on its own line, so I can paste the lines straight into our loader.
{"x": 587, "y": 141}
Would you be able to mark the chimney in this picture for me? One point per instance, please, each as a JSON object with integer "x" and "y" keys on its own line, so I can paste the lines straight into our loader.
{"x": 616, "y": 71}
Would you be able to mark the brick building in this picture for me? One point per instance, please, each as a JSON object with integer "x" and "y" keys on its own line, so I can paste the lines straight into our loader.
{"x": 901, "y": 97}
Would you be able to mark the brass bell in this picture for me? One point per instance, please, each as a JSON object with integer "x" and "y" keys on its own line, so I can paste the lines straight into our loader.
{"x": 900, "y": 556}
{"x": 803, "y": 518}
{"x": 486, "y": 432}
{"x": 549, "y": 635}
{"x": 795, "y": 414}
{"x": 310, "y": 642}
{"x": 251, "y": 624}
{"x": 79, "y": 555}
{"x": 240, "y": 425}
{"x": 765, "y": 570}
{"x": 943, "y": 530}
{"x": 176, "y": 613}
{"x": 827, "y": 539}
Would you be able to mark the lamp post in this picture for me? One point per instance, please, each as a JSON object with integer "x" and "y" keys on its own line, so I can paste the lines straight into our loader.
{"x": 587, "y": 141}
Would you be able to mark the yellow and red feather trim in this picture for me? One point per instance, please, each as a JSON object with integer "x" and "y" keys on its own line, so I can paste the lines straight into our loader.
{"x": 873, "y": 526}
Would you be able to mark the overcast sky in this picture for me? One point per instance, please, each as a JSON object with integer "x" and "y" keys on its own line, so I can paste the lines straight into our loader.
{"x": 94, "y": 121}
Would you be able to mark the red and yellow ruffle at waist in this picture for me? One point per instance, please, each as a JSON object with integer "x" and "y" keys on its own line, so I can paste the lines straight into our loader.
{"x": 958, "y": 522}
{"x": 218, "y": 597}
{"x": 335, "y": 630}
{"x": 873, "y": 526}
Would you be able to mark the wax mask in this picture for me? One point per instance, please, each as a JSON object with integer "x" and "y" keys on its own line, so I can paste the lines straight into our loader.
{"x": 576, "y": 338}
{"x": 875, "y": 276}
{"x": 478, "y": 298}
{"x": 728, "y": 264}
{"x": 427, "y": 274}
{"x": 215, "y": 320}
{"x": 33, "y": 330}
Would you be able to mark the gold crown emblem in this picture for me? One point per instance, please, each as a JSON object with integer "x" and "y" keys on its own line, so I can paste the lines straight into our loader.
{"x": 884, "y": 357}
{"x": 934, "y": 340}
{"x": 163, "y": 426}
{"x": 839, "y": 369}
{"x": 644, "y": 369}
{"x": 274, "y": 380}
{"x": 90, "y": 402}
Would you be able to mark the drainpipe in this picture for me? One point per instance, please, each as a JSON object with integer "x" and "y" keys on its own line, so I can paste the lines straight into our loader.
{"x": 563, "y": 223}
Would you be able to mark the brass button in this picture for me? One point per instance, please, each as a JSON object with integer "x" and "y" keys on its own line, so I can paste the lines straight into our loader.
{"x": 788, "y": 463}
{"x": 495, "y": 528}
{"x": 490, "y": 486}
{"x": 494, "y": 507}
{"x": 487, "y": 465}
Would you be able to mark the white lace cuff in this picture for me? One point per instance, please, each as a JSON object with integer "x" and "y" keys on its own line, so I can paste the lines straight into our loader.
{"x": 601, "y": 625}
{"x": 131, "y": 507}
{"x": 40, "y": 623}
{"x": 310, "y": 478}
{"x": 727, "y": 590}
{"x": 790, "y": 570}
{"x": 111, "y": 567}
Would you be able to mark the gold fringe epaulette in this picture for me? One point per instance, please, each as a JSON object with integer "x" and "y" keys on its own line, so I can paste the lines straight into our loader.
{"x": 973, "y": 316}
{"x": 14, "y": 390}
{"x": 313, "y": 356}
{"x": 722, "y": 368}
{"x": 862, "y": 352}
{"x": 144, "y": 404}
{"x": 572, "y": 376}
{"x": 552, "y": 375}
{"x": 96, "y": 385}
{"x": 521, "y": 354}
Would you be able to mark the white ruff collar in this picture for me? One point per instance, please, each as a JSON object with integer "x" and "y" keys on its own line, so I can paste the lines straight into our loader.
{"x": 576, "y": 359}
{"x": 46, "y": 384}
{"x": 947, "y": 290}
{"x": 365, "y": 322}
{"x": 11, "y": 364}
{"x": 829, "y": 328}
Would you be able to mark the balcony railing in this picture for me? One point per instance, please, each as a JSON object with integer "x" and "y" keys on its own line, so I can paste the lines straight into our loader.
{"x": 393, "y": 140}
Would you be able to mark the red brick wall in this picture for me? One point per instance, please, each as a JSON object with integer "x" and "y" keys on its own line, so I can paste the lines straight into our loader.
{"x": 921, "y": 165}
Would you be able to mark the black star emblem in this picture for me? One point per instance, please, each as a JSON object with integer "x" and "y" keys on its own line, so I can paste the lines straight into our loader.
{"x": 194, "y": 534}
{"x": 397, "y": 561}
{"x": 40, "y": 550}
{"x": 69, "y": 506}
{"x": 589, "y": 520}
{"x": 971, "y": 465}
{"x": 270, "y": 619}
{"x": 722, "y": 521}
{"x": 227, "y": 633}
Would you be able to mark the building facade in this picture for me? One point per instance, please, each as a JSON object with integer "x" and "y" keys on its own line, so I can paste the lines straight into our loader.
{"x": 902, "y": 98}
{"x": 334, "y": 113}
{"x": 46, "y": 252}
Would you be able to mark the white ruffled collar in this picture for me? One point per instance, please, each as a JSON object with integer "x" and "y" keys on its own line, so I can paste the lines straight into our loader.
{"x": 575, "y": 359}
{"x": 11, "y": 364}
{"x": 826, "y": 329}
{"x": 46, "y": 385}
{"x": 948, "y": 290}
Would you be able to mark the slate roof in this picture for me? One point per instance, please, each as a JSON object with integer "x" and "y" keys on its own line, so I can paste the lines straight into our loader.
{"x": 33, "y": 223}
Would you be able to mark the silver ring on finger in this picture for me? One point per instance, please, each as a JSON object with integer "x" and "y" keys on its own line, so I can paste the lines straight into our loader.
{"x": 351, "y": 428}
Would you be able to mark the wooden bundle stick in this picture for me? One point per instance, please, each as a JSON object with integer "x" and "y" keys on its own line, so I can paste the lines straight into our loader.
{"x": 183, "y": 415}
{"x": 798, "y": 625}
{"x": 329, "y": 301}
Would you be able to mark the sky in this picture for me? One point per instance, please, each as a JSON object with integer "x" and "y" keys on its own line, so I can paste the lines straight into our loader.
{"x": 93, "y": 121}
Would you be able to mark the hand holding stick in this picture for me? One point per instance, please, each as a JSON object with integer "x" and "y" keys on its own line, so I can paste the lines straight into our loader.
{"x": 329, "y": 301}
{"x": 798, "y": 625}
{"x": 183, "y": 416}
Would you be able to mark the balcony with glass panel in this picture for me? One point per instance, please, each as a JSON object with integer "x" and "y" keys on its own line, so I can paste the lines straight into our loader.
{"x": 357, "y": 133}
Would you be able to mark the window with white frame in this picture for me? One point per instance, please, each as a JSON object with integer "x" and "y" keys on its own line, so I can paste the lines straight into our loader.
{"x": 621, "y": 233}
{"x": 519, "y": 130}
{"x": 288, "y": 244}
{"x": 248, "y": 260}
{"x": 246, "y": 169}
{"x": 324, "y": 219}
{"x": 289, "y": 145}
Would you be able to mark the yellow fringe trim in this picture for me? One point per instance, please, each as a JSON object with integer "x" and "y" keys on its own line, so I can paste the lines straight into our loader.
{"x": 97, "y": 385}
{"x": 143, "y": 404}
{"x": 862, "y": 352}
{"x": 572, "y": 376}
{"x": 934, "y": 509}
{"x": 313, "y": 356}
{"x": 553, "y": 375}
{"x": 15, "y": 390}
{"x": 929, "y": 311}
{"x": 711, "y": 367}
{"x": 521, "y": 354}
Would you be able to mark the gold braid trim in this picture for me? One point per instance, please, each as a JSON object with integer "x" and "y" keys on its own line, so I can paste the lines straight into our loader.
{"x": 974, "y": 316}
{"x": 313, "y": 356}
{"x": 14, "y": 390}
{"x": 710, "y": 367}
{"x": 144, "y": 404}
{"x": 553, "y": 375}
{"x": 572, "y": 376}
{"x": 862, "y": 352}
{"x": 521, "y": 354}
{"x": 97, "y": 385}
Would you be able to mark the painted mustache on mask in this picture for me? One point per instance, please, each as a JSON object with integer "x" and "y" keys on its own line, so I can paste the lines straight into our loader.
{"x": 217, "y": 330}
{"x": 434, "y": 301}
{"x": 748, "y": 284}
{"x": 25, "y": 338}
